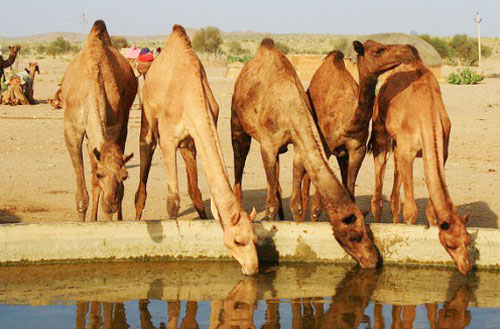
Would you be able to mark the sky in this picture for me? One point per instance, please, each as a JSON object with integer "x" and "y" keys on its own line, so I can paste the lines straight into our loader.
{"x": 153, "y": 17}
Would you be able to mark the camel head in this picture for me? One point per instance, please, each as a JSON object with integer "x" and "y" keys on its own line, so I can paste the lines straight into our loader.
{"x": 33, "y": 67}
{"x": 355, "y": 236}
{"x": 240, "y": 240}
{"x": 110, "y": 174}
{"x": 14, "y": 49}
{"x": 455, "y": 239}
{"x": 375, "y": 58}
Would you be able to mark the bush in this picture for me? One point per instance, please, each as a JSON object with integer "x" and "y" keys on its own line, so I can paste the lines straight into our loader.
{"x": 340, "y": 44}
{"x": 465, "y": 77}
{"x": 40, "y": 49}
{"x": 236, "y": 49}
{"x": 243, "y": 59}
{"x": 207, "y": 40}
{"x": 283, "y": 47}
{"x": 465, "y": 49}
{"x": 58, "y": 47}
{"x": 442, "y": 47}
{"x": 119, "y": 42}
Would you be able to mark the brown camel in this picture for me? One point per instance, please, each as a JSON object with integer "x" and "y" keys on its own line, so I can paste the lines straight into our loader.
{"x": 270, "y": 105}
{"x": 56, "y": 101}
{"x": 97, "y": 91}
{"x": 14, "y": 50}
{"x": 180, "y": 111}
{"x": 237, "y": 309}
{"x": 14, "y": 95}
{"x": 343, "y": 126}
{"x": 29, "y": 92}
{"x": 409, "y": 116}
{"x": 18, "y": 94}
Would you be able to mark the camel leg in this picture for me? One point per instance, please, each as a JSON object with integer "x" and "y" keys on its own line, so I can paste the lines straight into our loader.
{"x": 395, "y": 195}
{"x": 356, "y": 157}
{"x": 270, "y": 160}
{"x": 96, "y": 190}
{"x": 405, "y": 167}
{"x": 316, "y": 207}
{"x": 121, "y": 192}
{"x": 189, "y": 156}
{"x": 279, "y": 192}
{"x": 241, "y": 146}
{"x": 169, "y": 151}
{"x": 147, "y": 144}
{"x": 74, "y": 141}
{"x": 296, "y": 198}
{"x": 380, "y": 150}
{"x": 306, "y": 186}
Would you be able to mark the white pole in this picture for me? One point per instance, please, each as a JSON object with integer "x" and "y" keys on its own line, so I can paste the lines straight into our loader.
{"x": 478, "y": 21}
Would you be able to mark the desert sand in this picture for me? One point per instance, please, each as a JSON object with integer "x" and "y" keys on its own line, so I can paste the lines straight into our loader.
{"x": 38, "y": 184}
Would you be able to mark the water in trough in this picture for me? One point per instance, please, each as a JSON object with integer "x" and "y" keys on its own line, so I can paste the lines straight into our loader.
{"x": 217, "y": 295}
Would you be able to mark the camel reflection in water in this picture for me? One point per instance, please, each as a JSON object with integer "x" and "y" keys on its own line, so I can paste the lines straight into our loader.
{"x": 346, "y": 309}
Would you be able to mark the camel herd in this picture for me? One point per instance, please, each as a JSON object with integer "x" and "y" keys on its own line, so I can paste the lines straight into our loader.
{"x": 269, "y": 105}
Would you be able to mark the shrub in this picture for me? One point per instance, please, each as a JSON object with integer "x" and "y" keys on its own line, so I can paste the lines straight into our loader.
{"x": 242, "y": 59}
{"x": 283, "y": 47}
{"x": 40, "y": 49}
{"x": 465, "y": 77}
{"x": 340, "y": 44}
{"x": 119, "y": 42}
{"x": 465, "y": 49}
{"x": 57, "y": 47}
{"x": 442, "y": 47}
{"x": 207, "y": 40}
{"x": 236, "y": 49}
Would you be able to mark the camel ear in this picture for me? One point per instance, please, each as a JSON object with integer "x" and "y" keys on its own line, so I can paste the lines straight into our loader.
{"x": 97, "y": 154}
{"x": 37, "y": 69}
{"x": 235, "y": 218}
{"x": 253, "y": 214}
{"x": 127, "y": 157}
{"x": 27, "y": 70}
{"x": 358, "y": 46}
{"x": 466, "y": 218}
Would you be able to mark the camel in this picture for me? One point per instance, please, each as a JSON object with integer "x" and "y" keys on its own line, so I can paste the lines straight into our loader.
{"x": 343, "y": 126}
{"x": 180, "y": 111}
{"x": 56, "y": 101}
{"x": 409, "y": 116}
{"x": 270, "y": 105}
{"x": 14, "y": 50}
{"x": 352, "y": 296}
{"x": 14, "y": 95}
{"x": 237, "y": 309}
{"x": 18, "y": 94}
{"x": 97, "y": 91}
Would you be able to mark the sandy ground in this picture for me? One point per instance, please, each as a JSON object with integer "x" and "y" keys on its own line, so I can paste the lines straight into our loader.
{"x": 37, "y": 179}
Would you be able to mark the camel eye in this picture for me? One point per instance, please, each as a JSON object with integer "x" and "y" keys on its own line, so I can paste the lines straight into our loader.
{"x": 99, "y": 175}
{"x": 444, "y": 226}
{"x": 451, "y": 247}
{"x": 349, "y": 219}
{"x": 379, "y": 51}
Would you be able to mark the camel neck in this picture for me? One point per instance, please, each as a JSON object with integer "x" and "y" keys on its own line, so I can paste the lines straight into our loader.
{"x": 307, "y": 143}
{"x": 366, "y": 99}
{"x": 9, "y": 61}
{"x": 202, "y": 128}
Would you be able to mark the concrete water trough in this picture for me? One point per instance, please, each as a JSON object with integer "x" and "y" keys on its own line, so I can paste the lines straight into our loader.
{"x": 202, "y": 240}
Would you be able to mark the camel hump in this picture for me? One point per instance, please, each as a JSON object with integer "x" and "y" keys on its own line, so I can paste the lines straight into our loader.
{"x": 267, "y": 42}
{"x": 179, "y": 29}
{"x": 100, "y": 31}
{"x": 337, "y": 57}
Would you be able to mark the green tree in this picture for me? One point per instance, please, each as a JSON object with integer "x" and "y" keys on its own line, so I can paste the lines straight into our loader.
{"x": 58, "y": 46}
{"x": 282, "y": 46}
{"x": 236, "y": 49}
{"x": 465, "y": 49}
{"x": 207, "y": 40}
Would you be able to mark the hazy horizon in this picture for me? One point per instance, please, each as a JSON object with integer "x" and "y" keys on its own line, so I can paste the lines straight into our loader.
{"x": 134, "y": 18}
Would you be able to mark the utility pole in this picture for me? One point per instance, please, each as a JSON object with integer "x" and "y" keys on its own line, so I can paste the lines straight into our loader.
{"x": 83, "y": 22}
{"x": 478, "y": 20}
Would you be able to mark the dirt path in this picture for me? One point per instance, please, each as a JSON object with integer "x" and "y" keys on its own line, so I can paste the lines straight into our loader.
{"x": 38, "y": 184}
